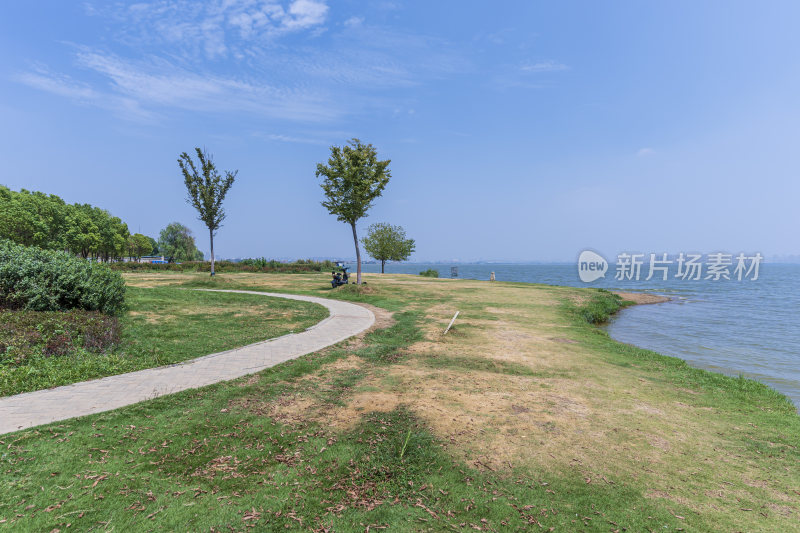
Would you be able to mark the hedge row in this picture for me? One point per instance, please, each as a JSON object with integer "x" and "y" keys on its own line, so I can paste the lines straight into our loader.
{"x": 46, "y": 280}
{"x": 228, "y": 266}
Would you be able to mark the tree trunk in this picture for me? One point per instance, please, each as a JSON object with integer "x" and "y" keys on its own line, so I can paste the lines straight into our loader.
{"x": 358, "y": 254}
{"x": 383, "y": 262}
{"x": 211, "y": 235}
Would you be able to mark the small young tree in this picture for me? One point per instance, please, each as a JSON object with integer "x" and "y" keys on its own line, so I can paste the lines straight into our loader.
{"x": 206, "y": 191}
{"x": 353, "y": 179}
{"x": 385, "y": 242}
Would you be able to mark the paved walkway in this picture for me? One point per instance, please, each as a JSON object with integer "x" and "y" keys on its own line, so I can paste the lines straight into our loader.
{"x": 89, "y": 397}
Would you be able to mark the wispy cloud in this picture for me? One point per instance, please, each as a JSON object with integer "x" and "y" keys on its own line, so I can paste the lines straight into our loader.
{"x": 136, "y": 89}
{"x": 644, "y": 152}
{"x": 527, "y": 75}
{"x": 246, "y": 56}
{"x": 62, "y": 85}
{"x": 215, "y": 29}
{"x": 354, "y": 21}
{"x": 544, "y": 66}
{"x": 295, "y": 139}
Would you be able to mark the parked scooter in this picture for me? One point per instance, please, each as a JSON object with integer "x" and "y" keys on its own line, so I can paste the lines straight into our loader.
{"x": 338, "y": 279}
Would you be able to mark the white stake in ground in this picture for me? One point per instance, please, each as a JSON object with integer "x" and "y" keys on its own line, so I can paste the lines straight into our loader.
{"x": 451, "y": 323}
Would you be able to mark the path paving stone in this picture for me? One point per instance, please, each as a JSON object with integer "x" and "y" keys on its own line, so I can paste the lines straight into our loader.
{"x": 80, "y": 399}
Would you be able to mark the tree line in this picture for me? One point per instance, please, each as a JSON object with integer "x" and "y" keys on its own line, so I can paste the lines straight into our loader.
{"x": 48, "y": 222}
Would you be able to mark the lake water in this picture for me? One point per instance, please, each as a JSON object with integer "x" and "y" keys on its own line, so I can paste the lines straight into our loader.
{"x": 734, "y": 327}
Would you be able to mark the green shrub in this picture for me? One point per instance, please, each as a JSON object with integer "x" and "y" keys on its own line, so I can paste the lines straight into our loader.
{"x": 430, "y": 273}
{"x": 45, "y": 280}
{"x": 24, "y": 335}
{"x": 600, "y": 308}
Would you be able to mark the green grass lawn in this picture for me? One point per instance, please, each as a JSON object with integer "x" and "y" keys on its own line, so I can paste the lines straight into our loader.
{"x": 523, "y": 418}
{"x": 168, "y": 325}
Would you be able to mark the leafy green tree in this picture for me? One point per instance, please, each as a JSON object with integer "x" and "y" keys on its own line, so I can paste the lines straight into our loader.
{"x": 153, "y": 246}
{"x": 176, "y": 243}
{"x": 17, "y": 223}
{"x": 352, "y": 179}
{"x": 139, "y": 245}
{"x": 83, "y": 235}
{"x": 385, "y": 242}
{"x": 50, "y": 211}
{"x": 32, "y": 218}
{"x": 206, "y": 191}
{"x": 113, "y": 234}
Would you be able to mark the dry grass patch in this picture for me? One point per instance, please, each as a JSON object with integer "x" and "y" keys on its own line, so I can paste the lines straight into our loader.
{"x": 155, "y": 279}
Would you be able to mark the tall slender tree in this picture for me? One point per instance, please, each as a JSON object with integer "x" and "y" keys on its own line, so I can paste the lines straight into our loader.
{"x": 352, "y": 179}
{"x": 206, "y": 191}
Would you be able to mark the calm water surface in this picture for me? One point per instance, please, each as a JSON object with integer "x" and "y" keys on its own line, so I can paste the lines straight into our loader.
{"x": 749, "y": 327}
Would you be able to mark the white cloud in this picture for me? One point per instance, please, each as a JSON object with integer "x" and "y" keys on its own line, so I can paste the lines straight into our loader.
{"x": 644, "y": 152}
{"x": 305, "y": 14}
{"x": 544, "y": 66}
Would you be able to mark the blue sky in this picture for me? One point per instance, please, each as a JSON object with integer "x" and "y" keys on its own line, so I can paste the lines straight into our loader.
{"x": 517, "y": 130}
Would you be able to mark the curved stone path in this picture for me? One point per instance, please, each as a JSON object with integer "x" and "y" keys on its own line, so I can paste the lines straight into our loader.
{"x": 88, "y": 397}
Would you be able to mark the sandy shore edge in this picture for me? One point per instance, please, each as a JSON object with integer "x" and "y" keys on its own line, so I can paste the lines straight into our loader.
{"x": 640, "y": 298}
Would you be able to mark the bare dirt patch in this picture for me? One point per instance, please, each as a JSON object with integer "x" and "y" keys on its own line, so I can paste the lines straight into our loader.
{"x": 383, "y": 318}
{"x": 290, "y": 408}
{"x": 152, "y": 317}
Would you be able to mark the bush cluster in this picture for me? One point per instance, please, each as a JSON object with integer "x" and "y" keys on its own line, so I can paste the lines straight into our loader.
{"x": 27, "y": 334}
{"x": 601, "y": 307}
{"x": 44, "y": 280}
{"x": 430, "y": 273}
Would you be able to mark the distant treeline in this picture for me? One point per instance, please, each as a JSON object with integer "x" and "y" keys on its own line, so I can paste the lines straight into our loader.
{"x": 47, "y": 221}
{"x": 245, "y": 265}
